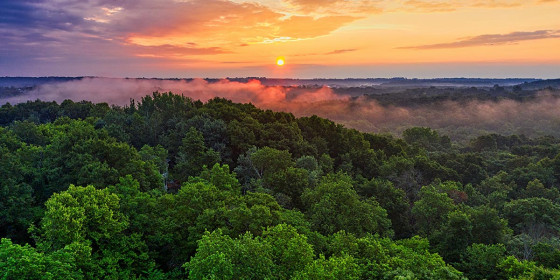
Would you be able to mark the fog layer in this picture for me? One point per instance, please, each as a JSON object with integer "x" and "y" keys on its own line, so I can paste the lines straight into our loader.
{"x": 466, "y": 119}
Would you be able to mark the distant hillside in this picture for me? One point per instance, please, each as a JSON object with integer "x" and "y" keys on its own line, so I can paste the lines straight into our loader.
{"x": 350, "y": 82}
{"x": 32, "y": 81}
{"x": 542, "y": 84}
{"x": 455, "y": 82}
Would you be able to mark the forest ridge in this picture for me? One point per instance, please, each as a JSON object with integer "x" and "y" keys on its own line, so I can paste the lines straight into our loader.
{"x": 461, "y": 108}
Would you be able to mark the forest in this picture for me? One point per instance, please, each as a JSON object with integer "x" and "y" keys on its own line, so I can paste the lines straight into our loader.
{"x": 168, "y": 187}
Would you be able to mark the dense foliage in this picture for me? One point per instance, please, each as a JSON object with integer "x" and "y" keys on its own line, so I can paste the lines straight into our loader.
{"x": 171, "y": 188}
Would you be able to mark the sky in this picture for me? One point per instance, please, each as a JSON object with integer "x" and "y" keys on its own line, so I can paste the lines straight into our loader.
{"x": 317, "y": 38}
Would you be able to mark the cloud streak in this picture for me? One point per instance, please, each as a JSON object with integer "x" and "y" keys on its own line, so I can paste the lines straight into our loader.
{"x": 175, "y": 52}
{"x": 492, "y": 39}
{"x": 429, "y": 6}
{"x": 357, "y": 7}
{"x": 341, "y": 51}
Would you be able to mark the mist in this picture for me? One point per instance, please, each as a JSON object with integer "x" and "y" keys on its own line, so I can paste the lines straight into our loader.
{"x": 461, "y": 120}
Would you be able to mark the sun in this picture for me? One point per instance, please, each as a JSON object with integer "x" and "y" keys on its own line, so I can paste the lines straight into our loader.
{"x": 280, "y": 61}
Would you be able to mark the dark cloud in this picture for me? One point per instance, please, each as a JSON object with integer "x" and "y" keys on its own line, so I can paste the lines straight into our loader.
{"x": 37, "y": 31}
{"x": 492, "y": 39}
{"x": 16, "y": 12}
{"x": 26, "y": 14}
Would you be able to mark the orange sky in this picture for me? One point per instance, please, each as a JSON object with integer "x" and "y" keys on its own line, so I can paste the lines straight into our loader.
{"x": 218, "y": 38}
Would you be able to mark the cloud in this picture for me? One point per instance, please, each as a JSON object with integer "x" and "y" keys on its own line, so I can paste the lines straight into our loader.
{"x": 36, "y": 14}
{"x": 61, "y": 36}
{"x": 429, "y": 6}
{"x": 452, "y": 5}
{"x": 341, "y": 51}
{"x": 174, "y": 52}
{"x": 308, "y": 27}
{"x": 492, "y": 39}
{"x": 119, "y": 29}
{"x": 216, "y": 20}
{"x": 355, "y": 7}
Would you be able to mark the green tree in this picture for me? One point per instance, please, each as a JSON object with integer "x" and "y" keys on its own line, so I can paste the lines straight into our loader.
{"x": 484, "y": 143}
{"x": 488, "y": 226}
{"x": 277, "y": 255}
{"x": 383, "y": 258}
{"x": 454, "y": 236}
{"x": 547, "y": 255}
{"x": 290, "y": 250}
{"x": 87, "y": 222}
{"x": 79, "y": 154}
{"x": 157, "y": 156}
{"x": 431, "y": 210}
{"x": 220, "y": 257}
{"x": 269, "y": 160}
{"x": 537, "y": 217}
{"x": 426, "y": 138}
{"x": 257, "y": 164}
{"x": 482, "y": 261}
{"x": 221, "y": 177}
{"x": 334, "y": 205}
{"x": 391, "y": 199}
{"x": 24, "y": 262}
{"x": 193, "y": 155}
{"x": 252, "y": 212}
{"x": 214, "y": 132}
{"x": 186, "y": 216}
{"x": 79, "y": 214}
{"x": 536, "y": 189}
{"x": 243, "y": 135}
{"x": 335, "y": 268}
{"x": 290, "y": 183}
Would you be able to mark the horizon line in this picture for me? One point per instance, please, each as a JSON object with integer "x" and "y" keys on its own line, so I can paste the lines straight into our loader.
{"x": 291, "y": 78}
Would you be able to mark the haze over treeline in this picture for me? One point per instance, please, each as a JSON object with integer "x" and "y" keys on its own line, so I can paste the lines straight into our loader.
{"x": 463, "y": 111}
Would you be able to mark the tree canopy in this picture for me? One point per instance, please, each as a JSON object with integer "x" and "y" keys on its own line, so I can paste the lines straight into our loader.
{"x": 172, "y": 188}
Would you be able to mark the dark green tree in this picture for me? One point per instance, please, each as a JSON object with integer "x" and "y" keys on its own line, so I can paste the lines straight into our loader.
{"x": 193, "y": 155}
{"x": 334, "y": 205}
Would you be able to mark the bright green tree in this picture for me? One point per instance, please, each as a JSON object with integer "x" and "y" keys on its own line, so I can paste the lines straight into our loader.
{"x": 24, "y": 262}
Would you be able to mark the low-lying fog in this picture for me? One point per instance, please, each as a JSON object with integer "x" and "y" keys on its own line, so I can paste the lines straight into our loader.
{"x": 466, "y": 119}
